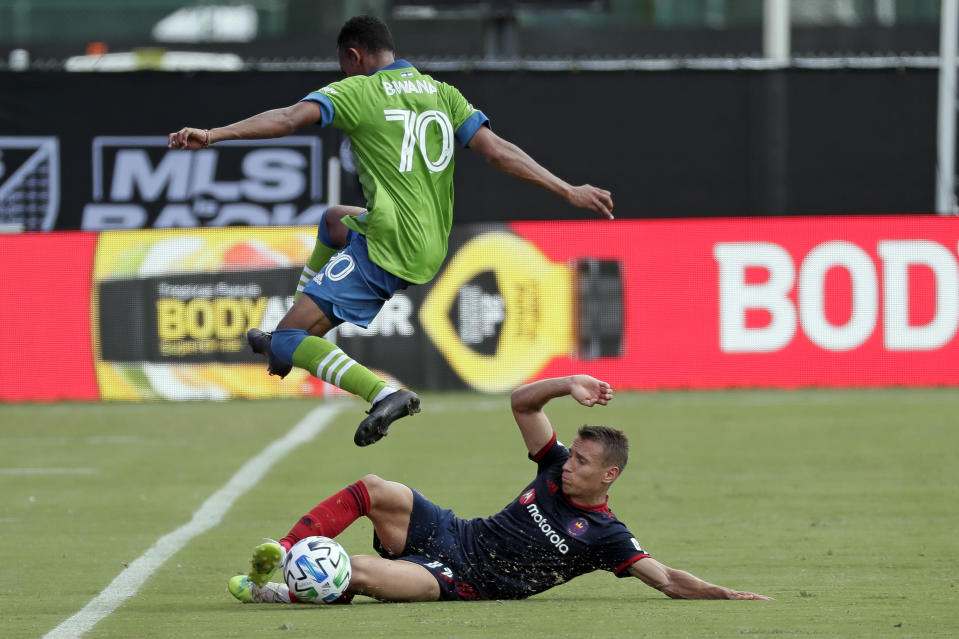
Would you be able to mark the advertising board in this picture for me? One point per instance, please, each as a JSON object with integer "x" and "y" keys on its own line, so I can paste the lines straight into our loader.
{"x": 644, "y": 304}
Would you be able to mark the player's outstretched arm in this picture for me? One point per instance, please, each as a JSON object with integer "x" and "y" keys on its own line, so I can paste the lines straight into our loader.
{"x": 512, "y": 160}
{"x": 274, "y": 123}
{"x": 528, "y": 401}
{"x": 679, "y": 584}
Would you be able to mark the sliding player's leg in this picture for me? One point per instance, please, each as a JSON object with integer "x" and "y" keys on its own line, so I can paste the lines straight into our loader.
{"x": 241, "y": 587}
{"x": 396, "y": 512}
{"x": 391, "y": 580}
{"x": 391, "y": 510}
{"x": 387, "y": 504}
{"x": 383, "y": 579}
{"x": 410, "y": 529}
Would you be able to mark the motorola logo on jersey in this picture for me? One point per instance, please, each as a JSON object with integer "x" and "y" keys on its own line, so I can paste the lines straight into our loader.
{"x": 543, "y": 524}
{"x": 528, "y": 496}
{"x": 138, "y": 182}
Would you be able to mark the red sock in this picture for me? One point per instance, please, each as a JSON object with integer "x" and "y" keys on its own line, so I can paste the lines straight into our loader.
{"x": 332, "y": 515}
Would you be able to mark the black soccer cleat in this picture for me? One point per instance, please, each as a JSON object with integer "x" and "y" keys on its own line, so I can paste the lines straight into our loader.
{"x": 260, "y": 343}
{"x": 383, "y": 413}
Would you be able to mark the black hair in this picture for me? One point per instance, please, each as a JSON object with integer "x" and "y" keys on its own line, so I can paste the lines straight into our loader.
{"x": 614, "y": 442}
{"x": 365, "y": 32}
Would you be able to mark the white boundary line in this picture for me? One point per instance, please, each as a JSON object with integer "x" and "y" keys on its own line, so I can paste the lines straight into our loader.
{"x": 128, "y": 582}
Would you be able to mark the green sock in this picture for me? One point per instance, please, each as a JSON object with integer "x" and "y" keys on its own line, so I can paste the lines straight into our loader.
{"x": 318, "y": 259}
{"x": 327, "y": 362}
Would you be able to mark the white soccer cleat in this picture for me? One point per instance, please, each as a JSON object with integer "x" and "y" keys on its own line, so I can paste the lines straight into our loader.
{"x": 246, "y": 591}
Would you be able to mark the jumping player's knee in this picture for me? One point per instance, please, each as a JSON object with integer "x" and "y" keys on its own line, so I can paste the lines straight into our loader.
{"x": 285, "y": 341}
{"x": 332, "y": 232}
{"x": 323, "y": 234}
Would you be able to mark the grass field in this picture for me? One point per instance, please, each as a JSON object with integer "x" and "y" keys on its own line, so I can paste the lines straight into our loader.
{"x": 843, "y": 505}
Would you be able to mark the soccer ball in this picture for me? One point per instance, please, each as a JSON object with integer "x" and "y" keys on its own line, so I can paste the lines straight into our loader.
{"x": 317, "y": 570}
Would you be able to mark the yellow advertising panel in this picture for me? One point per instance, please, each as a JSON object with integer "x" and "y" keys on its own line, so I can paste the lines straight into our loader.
{"x": 170, "y": 311}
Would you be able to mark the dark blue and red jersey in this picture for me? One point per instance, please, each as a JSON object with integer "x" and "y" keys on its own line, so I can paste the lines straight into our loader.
{"x": 543, "y": 539}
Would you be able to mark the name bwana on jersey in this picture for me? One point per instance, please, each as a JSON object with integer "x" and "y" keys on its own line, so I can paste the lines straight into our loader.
{"x": 395, "y": 87}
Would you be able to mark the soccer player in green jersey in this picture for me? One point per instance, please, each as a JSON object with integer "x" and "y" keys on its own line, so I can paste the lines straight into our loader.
{"x": 402, "y": 126}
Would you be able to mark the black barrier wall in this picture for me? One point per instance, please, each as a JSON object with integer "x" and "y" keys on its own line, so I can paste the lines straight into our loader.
{"x": 87, "y": 150}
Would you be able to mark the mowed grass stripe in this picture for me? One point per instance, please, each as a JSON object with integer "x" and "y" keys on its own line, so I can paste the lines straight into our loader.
{"x": 128, "y": 582}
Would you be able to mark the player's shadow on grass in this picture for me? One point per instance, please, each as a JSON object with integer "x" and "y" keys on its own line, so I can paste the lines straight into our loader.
{"x": 365, "y": 601}
{"x": 608, "y": 598}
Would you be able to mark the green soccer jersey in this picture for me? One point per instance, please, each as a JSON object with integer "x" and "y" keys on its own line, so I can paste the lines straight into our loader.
{"x": 402, "y": 126}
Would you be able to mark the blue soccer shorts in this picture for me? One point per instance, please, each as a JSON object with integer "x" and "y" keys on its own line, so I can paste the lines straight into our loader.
{"x": 432, "y": 542}
{"x": 351, "y": 288}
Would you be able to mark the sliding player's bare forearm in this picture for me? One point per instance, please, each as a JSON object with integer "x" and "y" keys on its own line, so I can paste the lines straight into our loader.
{"x": 679, "y": 584}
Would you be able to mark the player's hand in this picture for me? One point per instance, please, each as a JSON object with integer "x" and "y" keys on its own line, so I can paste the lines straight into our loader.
{"x": 590, "y": 391}
{"x": 590, "y": 197}
{"x": 188, "y": 138}
{"x": 742, "y": 594}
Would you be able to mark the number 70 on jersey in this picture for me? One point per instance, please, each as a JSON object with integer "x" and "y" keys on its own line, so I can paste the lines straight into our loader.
{"x": 416, "y": 129}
